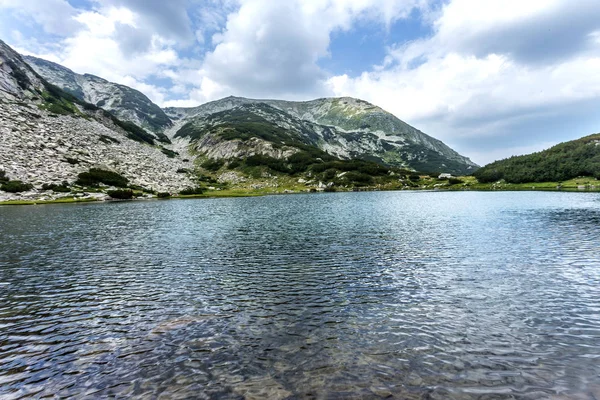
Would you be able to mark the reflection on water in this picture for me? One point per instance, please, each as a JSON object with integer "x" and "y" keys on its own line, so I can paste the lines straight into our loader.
{"x": 358, "y": 295}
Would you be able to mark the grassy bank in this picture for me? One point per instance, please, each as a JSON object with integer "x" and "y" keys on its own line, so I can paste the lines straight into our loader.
{"x": 64, "y": 200}
{"x": 290, "y": 186}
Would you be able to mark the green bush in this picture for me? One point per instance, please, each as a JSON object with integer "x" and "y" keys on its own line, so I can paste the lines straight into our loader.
{"x": 16, "y": 186}
{"x": 454, "y": 181}
{"x": 169, "y": 153}
{"x": 96, "y": 176}
{"x": 359, "y": 178}
{"x": 163, "y": 195}
{"x": 72, "y": 161}
{"x": 233, "y": 164}
{"x": 108, "y": 139}
{"x": 329, "y": 174}
{"x": 63, "y": 188}
{"x": 191, "y": 191}
{"x": 3, "y": 177}
{"x": 121, "y": 194}
{"x": 134, "y": 132}
{"x": 414, "y": 177}
{"x": 59, "y": 108}
{"x": 275, "y": 164}
{"x": 182, "y": 170}
{"x": 206, "y": 178}
{"x": 213, "y": 165}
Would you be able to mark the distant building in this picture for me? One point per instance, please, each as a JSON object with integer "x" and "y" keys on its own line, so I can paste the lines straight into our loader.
{"x": 445, "y": 176}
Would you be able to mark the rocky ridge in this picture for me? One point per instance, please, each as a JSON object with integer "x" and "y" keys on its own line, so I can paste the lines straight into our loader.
{"x": 124, "y": 102}
{"x": 49, "y": 137}
{"x": 40, "y": 149}
{"x": 40, "y": 146}
{"x": 344, "y": 127}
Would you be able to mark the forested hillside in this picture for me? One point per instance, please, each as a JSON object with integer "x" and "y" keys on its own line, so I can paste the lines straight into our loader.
{"x": 564, "y": 161}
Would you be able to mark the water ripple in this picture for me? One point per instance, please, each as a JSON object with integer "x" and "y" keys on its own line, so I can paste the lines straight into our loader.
{"x": 362, "y": 295}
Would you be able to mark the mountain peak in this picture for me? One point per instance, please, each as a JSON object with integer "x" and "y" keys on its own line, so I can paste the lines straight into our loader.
{"x": 345, "y": 127}
{"x": 126, "y": 103}
{"x": 17, "y": 79}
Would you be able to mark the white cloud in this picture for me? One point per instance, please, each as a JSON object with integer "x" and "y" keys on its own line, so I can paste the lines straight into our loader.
{"x": 54, "y": 16}
{"x": 169, "y": 19}
{"x": 157, "y": 95}
{"x": 464, "y": 83}
{"x": 94, "y": 49}
{"x": 488, "y": 71}
{"x": 271, "y": 49}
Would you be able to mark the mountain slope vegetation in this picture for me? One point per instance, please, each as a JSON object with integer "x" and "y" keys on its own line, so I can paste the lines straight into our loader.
{"x": 345, "y": 128}
{"x": 562, "y": 162}
{"x": 50, "y": 137}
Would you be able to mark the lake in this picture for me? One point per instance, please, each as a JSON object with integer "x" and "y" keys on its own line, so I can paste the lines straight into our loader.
{"x": 408, "y": 295}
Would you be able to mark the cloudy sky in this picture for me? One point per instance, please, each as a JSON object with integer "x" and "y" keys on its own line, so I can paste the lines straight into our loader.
{"x": 491, "y": 78}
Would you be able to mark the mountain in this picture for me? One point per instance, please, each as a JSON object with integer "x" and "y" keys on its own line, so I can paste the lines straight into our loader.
{"x": 124, "y": 102}
{"x": 562, "y": 162}
{"x": 71, "y": 133}
{"x": 346, "y": 128}
{"x": 50, "y": 137}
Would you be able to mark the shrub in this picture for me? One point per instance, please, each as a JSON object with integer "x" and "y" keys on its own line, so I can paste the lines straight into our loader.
{"x": 16, "y": 186}
{"x": 234, "y": 164}
{"x": 63, "y": 188}
{"x": 72, "y": 161}
{"x": 59, "y": 108}
{"x": 359, "y": 178}
{"x": 208, "y": 179}
{"x": 414, "y": 177}
{"x": 121, "y": 194}
{"x": 108, "y": 140}
{"x": 191, "y": 191}
{"x": 163, "y": 195}
{"x": 183, "y": 171}
{"x": 96, "y": 176}
{"x": 90, "y": 107}
{"x": 275, "y": 164}
{"x": 169, "y": 153}
{"x": 134, "y": 132}
{"x": 213, "y": 165}
{"x": 454, "y": 181}
{"x": 3, "y": 177}
{"x": 329, "y": 174}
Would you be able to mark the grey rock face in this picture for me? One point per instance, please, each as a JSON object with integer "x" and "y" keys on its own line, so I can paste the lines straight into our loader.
{"x": 35, "y": 148}
{"x": 126, "y": 103}
{"x": 344, "y": 127}
{"x": 17, "y": 80}
{"x": 38, "y": 146}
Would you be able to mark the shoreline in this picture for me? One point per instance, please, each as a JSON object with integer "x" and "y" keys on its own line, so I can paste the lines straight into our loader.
{"x": 234, "y": 194}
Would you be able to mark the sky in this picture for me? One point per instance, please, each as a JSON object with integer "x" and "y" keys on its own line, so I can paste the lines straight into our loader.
{"x": 491, "y": 78}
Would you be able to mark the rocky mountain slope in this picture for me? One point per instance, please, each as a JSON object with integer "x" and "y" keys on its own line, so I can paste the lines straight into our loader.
{"x": 124, "y": 102}
{"x": 48, "y": 137}
{"x": 51, "y": 134}
{"x": 346, "y": 128}
{"x": 343, "y": 127}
